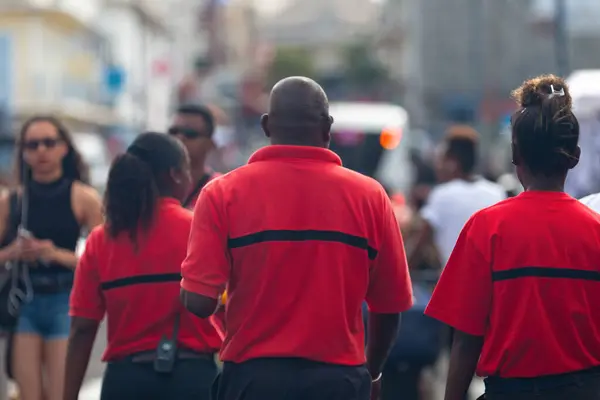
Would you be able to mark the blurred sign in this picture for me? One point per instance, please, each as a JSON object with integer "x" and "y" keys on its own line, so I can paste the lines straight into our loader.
{"x": 114, "y": 79}
{"x": 160, "y": 68}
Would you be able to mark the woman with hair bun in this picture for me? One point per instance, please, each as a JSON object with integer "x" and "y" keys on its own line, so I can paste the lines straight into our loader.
{"x": 522, "y": 286}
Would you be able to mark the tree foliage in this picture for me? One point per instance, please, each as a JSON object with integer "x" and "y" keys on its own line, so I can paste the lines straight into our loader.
{"x": 291, "y": 61}
{"x": 362, "y": 69}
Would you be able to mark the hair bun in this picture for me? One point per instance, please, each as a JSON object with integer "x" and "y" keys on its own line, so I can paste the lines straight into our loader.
{"x": 534, "y": 92}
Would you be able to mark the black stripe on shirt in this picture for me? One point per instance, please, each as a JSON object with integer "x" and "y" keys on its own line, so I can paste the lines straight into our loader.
{"x": 140, "y": 279}
{"x": 303, "y": 236}
{"x": 544, "y": 272}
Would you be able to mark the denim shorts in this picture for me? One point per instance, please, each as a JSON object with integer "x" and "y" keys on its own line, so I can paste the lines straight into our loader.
{"x": 47, "y": 315}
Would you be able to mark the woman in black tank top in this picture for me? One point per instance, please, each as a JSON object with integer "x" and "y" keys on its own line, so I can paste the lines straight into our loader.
{"x": 58, "y": 204}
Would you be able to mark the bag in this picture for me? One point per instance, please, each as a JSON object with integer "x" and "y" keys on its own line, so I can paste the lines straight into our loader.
{"x": 8, "y": 319}
{"x": 420, "y": 337}
{"x": 9, "y": 306}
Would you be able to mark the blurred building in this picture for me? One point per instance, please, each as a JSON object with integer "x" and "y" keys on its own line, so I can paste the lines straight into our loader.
{"x": 323, "y": 26}
{"x": 52, "y": 56}
{"x": 141, "y": 61}
{"x": 459, "y": 59}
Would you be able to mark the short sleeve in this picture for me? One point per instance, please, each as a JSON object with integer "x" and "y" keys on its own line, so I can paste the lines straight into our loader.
{"x": 463, "y": 296}
{"x": 87, "y": 300}
{"x": 205, "y": 270}
{"x": 390, "y": 289}
{"x": 433, "y": 208}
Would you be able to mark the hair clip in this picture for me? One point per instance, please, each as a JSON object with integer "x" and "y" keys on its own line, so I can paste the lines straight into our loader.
{"x": 559, "y": 93}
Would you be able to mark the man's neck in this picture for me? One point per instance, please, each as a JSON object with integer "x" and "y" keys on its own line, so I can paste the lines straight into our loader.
{"x": 198, "y": 172}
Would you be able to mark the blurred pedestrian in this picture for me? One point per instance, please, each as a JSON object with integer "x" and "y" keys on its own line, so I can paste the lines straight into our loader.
{"x": 592, "y": 201}
{"x": 130, "y": 271}
{"x": 521, "y": 287}
{"x": 59, "y": 206}
{"x": 461, "y": 193}
{"x": 299, "y": 242}
{"x": 194, "y": 125}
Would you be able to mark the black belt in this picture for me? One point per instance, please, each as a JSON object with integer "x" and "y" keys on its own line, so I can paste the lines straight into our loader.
{"x": 182, "y": 354}
{"x": 50, "y": 284}
{"x": 494, "y": 384}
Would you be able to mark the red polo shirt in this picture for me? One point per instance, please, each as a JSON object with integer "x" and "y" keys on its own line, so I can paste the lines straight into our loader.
{"x": 525, "y": 275}
{"x": 139, "y": 291}
{"x": 299, "y": 242}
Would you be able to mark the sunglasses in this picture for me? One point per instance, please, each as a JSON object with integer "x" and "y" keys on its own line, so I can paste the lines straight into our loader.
{"x": 48, "y": 143}
{"x": 188, "y": 133}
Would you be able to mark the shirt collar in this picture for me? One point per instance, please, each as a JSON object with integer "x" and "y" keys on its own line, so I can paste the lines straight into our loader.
{"x": 283, "y": 152}
{"x": 169, "y": 202}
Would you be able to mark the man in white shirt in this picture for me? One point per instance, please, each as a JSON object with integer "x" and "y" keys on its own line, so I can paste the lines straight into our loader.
{"x": 592, "y": 201}
{"x": 460, "y": 195}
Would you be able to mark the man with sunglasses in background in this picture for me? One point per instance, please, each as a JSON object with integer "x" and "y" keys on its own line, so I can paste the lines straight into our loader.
{"x": 194, "y": 125}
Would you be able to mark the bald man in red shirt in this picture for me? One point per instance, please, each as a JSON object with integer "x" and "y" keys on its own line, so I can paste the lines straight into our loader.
{"x": 298, "y": 242}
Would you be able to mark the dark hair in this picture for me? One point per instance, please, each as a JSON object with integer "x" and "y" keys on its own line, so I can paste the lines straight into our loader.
{"x": 200, "y": 111}
{"x": 72, "y": 164}
{"x": 545, "y": 129}
{"x": 135, "y": 182}
{"x": 463, "y": 149}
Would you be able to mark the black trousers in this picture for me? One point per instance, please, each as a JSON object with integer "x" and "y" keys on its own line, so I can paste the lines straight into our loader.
{"x": 584, "y": 385}
{"x": 291, "y": 379}
{"x": 191, "y": 379}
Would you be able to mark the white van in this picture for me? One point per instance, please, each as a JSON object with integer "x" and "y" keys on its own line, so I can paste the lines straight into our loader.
{"x": 373, "y": 139}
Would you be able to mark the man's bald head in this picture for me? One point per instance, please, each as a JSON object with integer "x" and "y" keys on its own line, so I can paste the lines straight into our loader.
{"x": 298, "y": 112}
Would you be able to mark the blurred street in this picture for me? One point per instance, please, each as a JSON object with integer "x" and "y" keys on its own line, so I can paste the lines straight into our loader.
{"x": 403, "y": 78}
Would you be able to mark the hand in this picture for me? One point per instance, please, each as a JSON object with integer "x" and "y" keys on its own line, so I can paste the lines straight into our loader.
{"x": 21, "y": 249}
{"x": 41, "y": 249}
{"x": 375, "y": 390}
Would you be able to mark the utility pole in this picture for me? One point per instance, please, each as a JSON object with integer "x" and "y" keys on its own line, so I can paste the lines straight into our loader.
{"x": 561, "y": 40}
{"x": 477, "y": 45}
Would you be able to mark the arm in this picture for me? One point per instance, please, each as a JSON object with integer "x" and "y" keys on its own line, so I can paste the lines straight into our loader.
{"x": 87, "y": 207}
{"x": 205, "y": 270}
{"x": 431, "y": 215}
{"x": 389, "y": 292}
{"x": 415, "y": 251}
{"x": 7, "y": 253}
{"x": 81, "y": 342}
{"x": 87, "y": 310}
{"x": 463, "y": 361}
{"x": 383, "y": 328}
{"x": 464, "y": 304}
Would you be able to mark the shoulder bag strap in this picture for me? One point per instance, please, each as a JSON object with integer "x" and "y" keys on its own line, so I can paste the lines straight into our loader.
{"x": 14, "y": 217}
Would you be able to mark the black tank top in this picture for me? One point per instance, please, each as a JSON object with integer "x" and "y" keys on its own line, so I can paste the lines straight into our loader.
{"x": 51, "y": 217}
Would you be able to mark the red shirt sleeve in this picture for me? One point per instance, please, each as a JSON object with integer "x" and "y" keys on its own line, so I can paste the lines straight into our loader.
{"x": 463, "y": 295}
{"x": 205, "y": 270}
{"x": 390, "y": 289}
{"x": 87, "y": 300}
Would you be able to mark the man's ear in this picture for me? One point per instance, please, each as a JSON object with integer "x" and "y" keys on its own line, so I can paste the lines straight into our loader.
{"x": 264, "y": 123}
{"x": 327, "y": 129}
